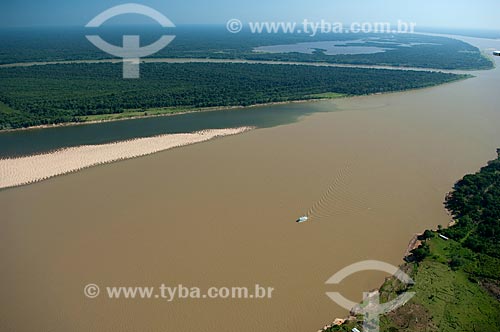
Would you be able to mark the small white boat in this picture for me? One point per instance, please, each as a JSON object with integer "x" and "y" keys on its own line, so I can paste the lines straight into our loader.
{"x": 303, "y": 219}
{"x": 496, "y": 53}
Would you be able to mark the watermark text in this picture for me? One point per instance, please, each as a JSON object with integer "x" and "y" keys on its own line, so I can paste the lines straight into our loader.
{"x": 178, "y": 292}
{"x": 314, "y": 28}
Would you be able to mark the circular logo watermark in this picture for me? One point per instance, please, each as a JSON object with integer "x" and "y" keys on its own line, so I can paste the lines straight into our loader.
{"x": 131, "y": 52}
{"x": 371, "y": 308}
{"x": 234, "y": 25}
{"x": 91, "y": 291}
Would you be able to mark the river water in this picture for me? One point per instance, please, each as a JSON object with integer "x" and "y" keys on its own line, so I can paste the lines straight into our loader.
{"x": 371, "y": 174}
{"x": 33, "y": 141}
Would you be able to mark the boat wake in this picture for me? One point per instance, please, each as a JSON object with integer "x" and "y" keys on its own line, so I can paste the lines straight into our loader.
{"x": 338, "y": 199}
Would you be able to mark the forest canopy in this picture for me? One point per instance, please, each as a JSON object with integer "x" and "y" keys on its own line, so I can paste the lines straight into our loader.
{"x": 48, "y": 94}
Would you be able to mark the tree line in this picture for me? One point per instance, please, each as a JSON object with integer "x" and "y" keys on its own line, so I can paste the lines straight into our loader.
{"x": 61, "y": 93}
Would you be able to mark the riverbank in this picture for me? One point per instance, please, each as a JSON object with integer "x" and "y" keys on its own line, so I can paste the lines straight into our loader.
{"x": 240, "y": 61}
{"x": 165, "y": 113}
{"x": 456, "y": 270}
{"x": 30, "y": 169}
{"x": 173, "y": 111}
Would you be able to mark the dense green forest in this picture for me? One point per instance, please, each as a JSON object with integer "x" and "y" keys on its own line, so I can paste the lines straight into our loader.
{"x": 61, "y": 93}
{"x": 475, "y": 203}
{"x": 405, "y": 50}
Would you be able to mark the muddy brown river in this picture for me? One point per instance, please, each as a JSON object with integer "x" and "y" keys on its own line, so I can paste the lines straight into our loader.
{"x": 222, "y": 213}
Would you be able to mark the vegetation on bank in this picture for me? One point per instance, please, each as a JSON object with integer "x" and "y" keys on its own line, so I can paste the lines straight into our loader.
{"x": 127, "y": 114}
{"x": 457, "y": 281}
{"x": 50, "y": 94}
{"x": 450, "y": 291}
{"x": 134, "y": 113}
{"x": 475, "y": 204}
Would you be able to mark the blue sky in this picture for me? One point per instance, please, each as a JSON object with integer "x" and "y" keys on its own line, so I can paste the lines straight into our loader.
{"x": 479, "y": 14}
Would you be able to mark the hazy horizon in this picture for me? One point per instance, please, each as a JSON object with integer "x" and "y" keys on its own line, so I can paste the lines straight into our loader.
{"x": 461, "y": 14}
